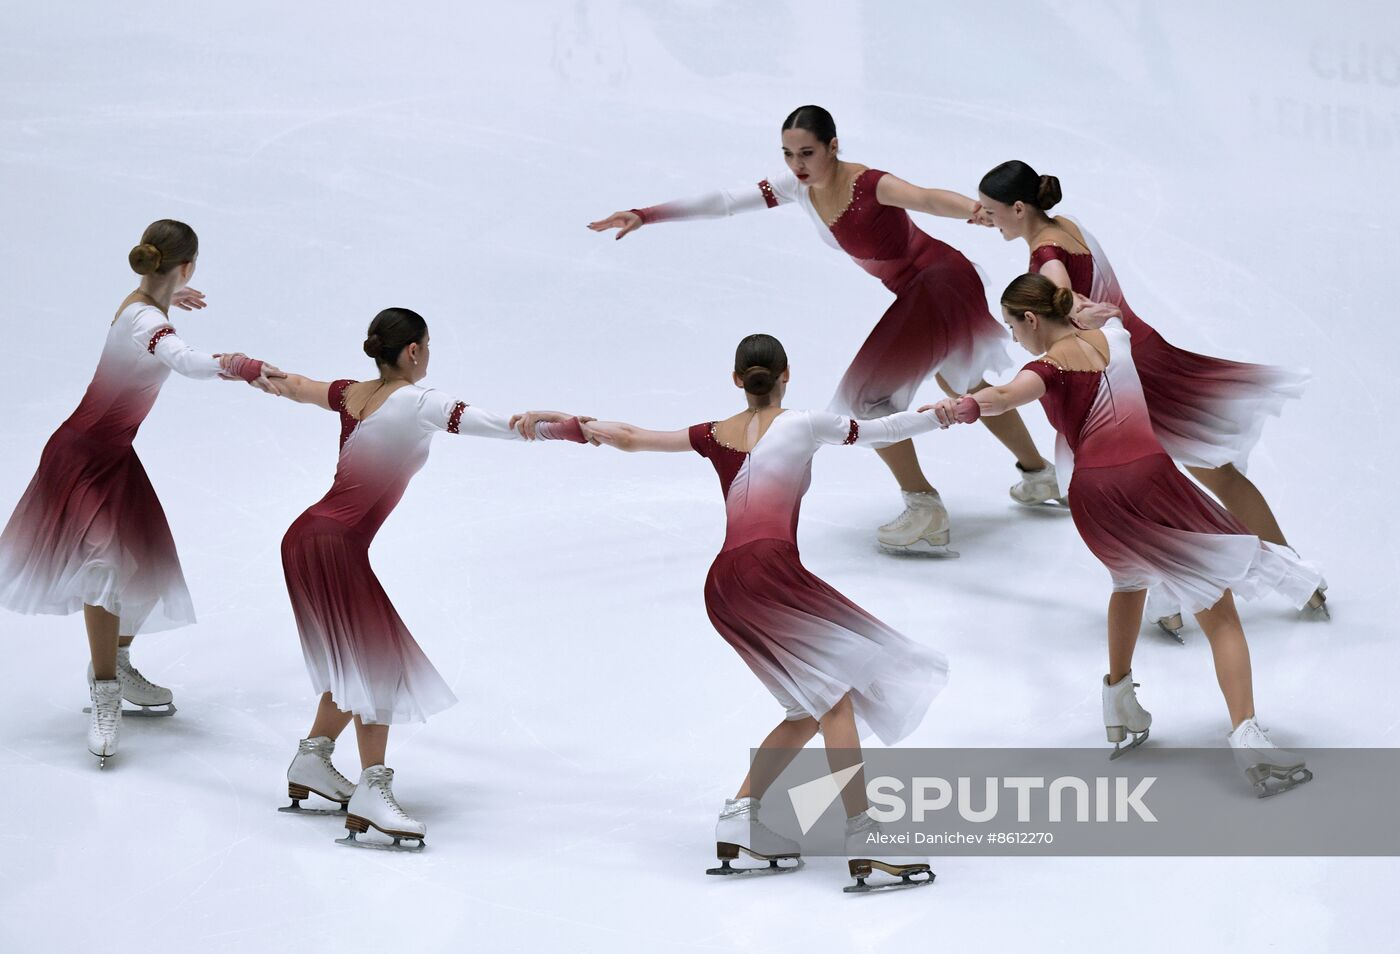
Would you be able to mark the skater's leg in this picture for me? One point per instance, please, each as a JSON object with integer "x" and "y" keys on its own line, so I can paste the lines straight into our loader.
{"x": 102, "y": 641}
{"x": 330, "y": 720}
{"x": 775, "y": 754}
{"x": 1237, "y": 494}
{"x": 903, "y": 462}
{"x": 1124, "y": 621}
{"x": 1221, "y": 624}
{"x": 843, "y": 751}
{"x": 1007, "y": 428}
{"x": 373, "y": 741}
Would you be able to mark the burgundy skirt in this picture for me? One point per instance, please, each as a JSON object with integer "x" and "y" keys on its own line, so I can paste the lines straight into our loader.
{"x": 938, "y": 324}
{"x": 356, "y": 646}
{"x": 810, "y": 645}
{"x": 1209, "y": 412}
{"x": 90, "y": 530}
{"x": 1152, "y": 527}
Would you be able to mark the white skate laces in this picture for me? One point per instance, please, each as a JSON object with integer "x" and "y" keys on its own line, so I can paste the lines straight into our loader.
{"x": 106, "y": 718}
{"x": 1270, "y": 769}
{"x": 373, "y": 806}
{"x": 133, "y": 679}
{"x": 380, "y": 780}
{"x": 313, "y": 771}
{"x": 1037, "y": 487}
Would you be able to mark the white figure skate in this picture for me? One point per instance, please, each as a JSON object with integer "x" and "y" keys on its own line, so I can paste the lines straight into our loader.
{"x": 313, "y": 771}
{"x": 150, "y": 699}
{"x": 1038, "y": 488}
{"x": 373, "y": 806}
{"x": 921, "y": 528}
{"x": 106, "y": 722}
{"x": 739, "y": 830}
{"x": 1122, "y": 715}
{"x": 1270, "y": 769}
{"x": 863, "y": 834}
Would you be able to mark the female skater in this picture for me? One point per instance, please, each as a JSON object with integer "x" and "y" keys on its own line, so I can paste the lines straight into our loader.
{"x": 1140, "y": 515}
{"x": 830, "y": 664}
{"x": 938, "y": 324}
{"x": 361, "y": 658}
{"x": 89, "y": 532}
{"x": 1207, "y": 412}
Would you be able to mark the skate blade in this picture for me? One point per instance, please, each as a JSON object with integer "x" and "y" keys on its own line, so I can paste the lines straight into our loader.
{"x": 1119, "y": 750}
{"x": 725, "y": 868}
{"x": 1277, "y": 782}
{"x": 295, "y": 809}
{"x": 1172, "y": 632}
{"x": 909, "y": 877}
{"x": 143, "y": 712}
{"x": 1318, "y": 613}
{"x": 350, "y": 841}
{"x": 1053, "y": 505}
{"x": 922, "y": 548}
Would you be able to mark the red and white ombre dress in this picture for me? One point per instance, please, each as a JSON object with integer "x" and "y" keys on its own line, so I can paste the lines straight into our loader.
{"x": 1207, "y": 412}
{"x": 1148, "y": 523}
{"x": 356, "y": 646}
{"x": 90, "y": 529}
{"x": 807, "y": 643}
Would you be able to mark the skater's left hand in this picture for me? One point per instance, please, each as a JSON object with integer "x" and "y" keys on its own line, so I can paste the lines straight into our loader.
{"x": 945, "y": 410}
{"x": 980, "y": 216}
{"x": 189, "y": 299}
{"x": 1088, "y": 314}
{"x": 526, "y": 423}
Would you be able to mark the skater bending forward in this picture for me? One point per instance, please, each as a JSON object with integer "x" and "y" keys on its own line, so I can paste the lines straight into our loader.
{"x": 1143, "y": 519}
{"x": 361, "y": 658}
{"x": 832, "y": 666}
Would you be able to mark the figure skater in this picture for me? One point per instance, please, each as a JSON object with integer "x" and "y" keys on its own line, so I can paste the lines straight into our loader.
{"x": 362, "y": 659}
{"x": 1207, "y": 412}
{"x": 1143, "y": 519}
{"x": 938, "y": 324}
{"x": 832, "y": 666}
{"x": 89, "y": 533}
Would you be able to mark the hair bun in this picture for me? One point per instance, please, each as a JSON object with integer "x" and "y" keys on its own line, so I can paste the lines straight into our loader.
{"x": 1049, "y": 193}
{"x": 759, "y": 380}
{"x": 144, "y": 258}
{"x": 374, "y": 347}
{"x": 1063, "y": 302}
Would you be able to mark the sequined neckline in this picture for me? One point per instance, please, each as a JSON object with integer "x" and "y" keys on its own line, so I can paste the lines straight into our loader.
{"x": 1061, "y": 248}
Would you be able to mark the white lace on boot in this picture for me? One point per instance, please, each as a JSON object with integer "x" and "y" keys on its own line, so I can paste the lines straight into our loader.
{"x": 136, "y": 688}
{"x": 1122, "y": 714}
{"x": 106, "y": 721}
{"x": 924, "y": 523}
{"x": 1037, "y": 487}
{"x": 373, "y": 806}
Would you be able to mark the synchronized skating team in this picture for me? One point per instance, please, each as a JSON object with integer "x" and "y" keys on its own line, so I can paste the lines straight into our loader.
{"x": 1128, "y": 408}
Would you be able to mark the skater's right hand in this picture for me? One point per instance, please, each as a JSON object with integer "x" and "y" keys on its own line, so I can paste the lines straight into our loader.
{"x": 623, "y": 221}
{"x": 1088, "y": 314}
{"x": 189, "y": 299}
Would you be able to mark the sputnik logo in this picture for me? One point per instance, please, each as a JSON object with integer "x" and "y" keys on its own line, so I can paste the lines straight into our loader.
{"x": 811, "y": 799}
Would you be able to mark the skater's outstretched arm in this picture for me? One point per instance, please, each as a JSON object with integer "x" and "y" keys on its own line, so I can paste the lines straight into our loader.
{"x": 876, "y": 432}
{"x": 438, "y": 411}
{"x": 765, "y": 194}
{"x": 1023, "y": 389}
{"x": 303, "y": 390}
{"x": 892, "y": 190}
{"x": 629, "y": 438}
{"x": 152, "y": 331}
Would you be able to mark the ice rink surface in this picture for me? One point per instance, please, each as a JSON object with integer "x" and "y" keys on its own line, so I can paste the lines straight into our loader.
{"x": 1238, "y": 164}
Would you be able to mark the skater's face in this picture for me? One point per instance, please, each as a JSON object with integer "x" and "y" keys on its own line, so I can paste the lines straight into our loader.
{"x": 1025, "y": 329}
{"x": 1010, "y": 220}
{"x": 809, "y": 159}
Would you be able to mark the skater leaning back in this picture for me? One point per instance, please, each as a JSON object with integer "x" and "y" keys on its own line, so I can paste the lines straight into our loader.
{"x": 1139, "y": 515}
{"x": 832, "y": 666}
{"x": 360, "y": 656}
{"x": 937, "y": 325}
{"x": 89, "y": 533}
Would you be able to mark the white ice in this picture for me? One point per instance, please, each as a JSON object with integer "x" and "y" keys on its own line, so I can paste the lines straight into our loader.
{"x": 1237, "y": 161}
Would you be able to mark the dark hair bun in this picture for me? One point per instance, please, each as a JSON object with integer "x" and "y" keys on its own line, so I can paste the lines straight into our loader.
{"x": 1063, "y": 302}
{"x": 144, "y": 258}
{"x": 759, "y": 380}
{"x": 1049, "y": 193}
{"x": 374, "y": 347}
